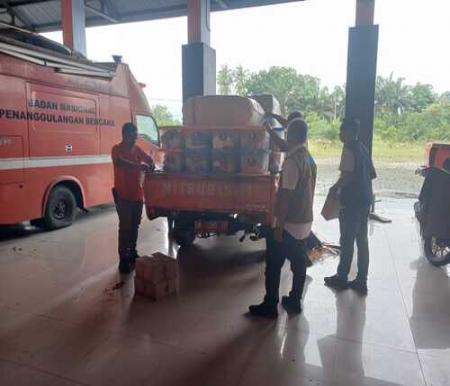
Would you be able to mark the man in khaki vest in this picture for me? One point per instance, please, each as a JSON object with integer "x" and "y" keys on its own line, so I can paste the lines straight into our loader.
{"x": 294, "y": 216}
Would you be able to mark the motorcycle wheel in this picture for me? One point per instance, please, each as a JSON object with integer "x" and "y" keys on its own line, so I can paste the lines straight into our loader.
{"x": 436, "y": 251}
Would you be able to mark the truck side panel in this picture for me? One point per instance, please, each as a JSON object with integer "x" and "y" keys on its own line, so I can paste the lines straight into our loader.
{"x": 240, "y": 194}
{"x": 13, "y": 147}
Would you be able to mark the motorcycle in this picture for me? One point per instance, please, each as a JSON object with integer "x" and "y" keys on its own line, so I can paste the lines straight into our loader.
{"x": 433, "y": 214}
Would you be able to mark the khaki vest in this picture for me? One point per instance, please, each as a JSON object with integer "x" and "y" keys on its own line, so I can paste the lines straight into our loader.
{"x": 301, "y": 205}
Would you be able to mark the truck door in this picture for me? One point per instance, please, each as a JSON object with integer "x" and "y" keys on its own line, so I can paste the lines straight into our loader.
{"x": 148, "y": 135}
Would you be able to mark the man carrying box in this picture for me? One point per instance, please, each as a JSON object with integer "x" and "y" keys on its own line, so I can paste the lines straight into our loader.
{"x": 294, "y": 216}
{"x": 130, "y": 161}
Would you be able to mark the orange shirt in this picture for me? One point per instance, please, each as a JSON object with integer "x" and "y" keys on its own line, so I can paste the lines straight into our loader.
{"x": 127, "y": 181}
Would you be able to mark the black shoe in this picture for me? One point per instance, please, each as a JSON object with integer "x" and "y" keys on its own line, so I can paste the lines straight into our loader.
{"x": 126, "y": 266}
{"x": 291, "y": 305}
{"x": 264, "y": 310}
{"x": 336, "y": 282}
{"x": 359, "y": 286}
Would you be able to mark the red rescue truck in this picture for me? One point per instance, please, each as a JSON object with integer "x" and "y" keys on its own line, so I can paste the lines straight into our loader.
{"x": 60, "y": 115}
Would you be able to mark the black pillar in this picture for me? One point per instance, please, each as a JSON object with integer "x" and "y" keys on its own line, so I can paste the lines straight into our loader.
{"x": 199, "y": 70}
{"x": 199, "y": 59}
{"x": 361, "y": 78}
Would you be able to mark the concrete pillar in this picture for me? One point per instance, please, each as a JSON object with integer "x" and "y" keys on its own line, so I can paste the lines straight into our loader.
{"x": 74, "y": 24}
{"x": 199, "y": 59}
{"x": 362, "y": 69}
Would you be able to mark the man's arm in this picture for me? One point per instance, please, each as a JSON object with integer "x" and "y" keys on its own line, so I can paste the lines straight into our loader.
{"x": 124, "y": 163}
{"x": 347, "y": 168}
{"x": 149, "y": 164}
{"x": 279, "y": 142}
{"x": 283, "y": 121}
{"x": 290, "y": 177}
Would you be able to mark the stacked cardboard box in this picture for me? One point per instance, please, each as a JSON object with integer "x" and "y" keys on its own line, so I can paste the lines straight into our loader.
{"x": 156, "y": 276}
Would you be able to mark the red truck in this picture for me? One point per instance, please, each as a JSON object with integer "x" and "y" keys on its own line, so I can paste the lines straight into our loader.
{"x": 60, "y": 115}
{"x": 221, "y": 202}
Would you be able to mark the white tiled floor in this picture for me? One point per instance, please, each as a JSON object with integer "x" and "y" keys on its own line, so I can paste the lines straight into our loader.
{"x": 62, "y": 323}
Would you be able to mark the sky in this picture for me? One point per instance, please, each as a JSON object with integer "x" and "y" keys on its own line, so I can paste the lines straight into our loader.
{"x": 310, "y": 36}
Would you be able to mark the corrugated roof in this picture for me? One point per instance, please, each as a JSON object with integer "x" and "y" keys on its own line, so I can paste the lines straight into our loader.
{"x": 45, "y": 15}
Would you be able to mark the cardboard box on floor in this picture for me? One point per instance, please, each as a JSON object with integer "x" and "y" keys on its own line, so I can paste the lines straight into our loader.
{"x": 156, "y": 276}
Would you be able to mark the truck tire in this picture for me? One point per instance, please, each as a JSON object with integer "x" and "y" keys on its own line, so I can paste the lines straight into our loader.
{"x": 183, "y": 232}
{"x": 61, "y": 208}
{"x": 437, "y": 253}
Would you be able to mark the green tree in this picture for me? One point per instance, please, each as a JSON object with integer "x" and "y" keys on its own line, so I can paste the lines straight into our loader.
{"x": 225, "y": 80}
{"x": 392, "y": 95}
{"x": 422, "y": 95}
{"x": 163, "y": 116}
{"x": 240, "y": 78}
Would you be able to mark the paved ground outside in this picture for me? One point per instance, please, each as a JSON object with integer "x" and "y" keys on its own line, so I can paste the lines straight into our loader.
{"x": 395, "y": 179}
{"x": 62, "y": 322}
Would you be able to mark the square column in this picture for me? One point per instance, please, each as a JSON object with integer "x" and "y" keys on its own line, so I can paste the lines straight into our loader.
{"x": 199, "y": 59}
{"x": 362, "y": 70}
{"x": 74, "y": 24}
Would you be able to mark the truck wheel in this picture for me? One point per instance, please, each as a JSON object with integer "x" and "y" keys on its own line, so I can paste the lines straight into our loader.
{"x": 183, "y": 232}
{"x": 184, "y": 239}
{"x": 61, "y": 208}
{"x": 437, "y": 252}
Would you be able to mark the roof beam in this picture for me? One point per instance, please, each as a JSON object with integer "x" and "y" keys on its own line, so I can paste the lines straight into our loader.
{"x": 222, "y": 3}
{"x": 19, "y": 3}
{"x": 17, "y": 14}
{"x": 100, "y": 13}
{"x": 111, "y": 8}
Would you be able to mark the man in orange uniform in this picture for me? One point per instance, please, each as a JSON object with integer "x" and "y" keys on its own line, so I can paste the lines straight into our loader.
{"x": 130, "y": 161}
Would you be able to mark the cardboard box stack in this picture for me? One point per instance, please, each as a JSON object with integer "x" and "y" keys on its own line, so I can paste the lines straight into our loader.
{"x": 222, "y": 134}
{"x": 156, "y": 276}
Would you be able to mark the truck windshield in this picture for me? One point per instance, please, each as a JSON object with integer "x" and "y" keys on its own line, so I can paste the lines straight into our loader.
{"x": 147, "y": 128}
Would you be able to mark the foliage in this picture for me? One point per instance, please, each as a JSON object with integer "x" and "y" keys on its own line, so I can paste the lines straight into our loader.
{"x": 402, "y": 112}
{"x": 225, "y": 80}
{"x": 163, "y": 116}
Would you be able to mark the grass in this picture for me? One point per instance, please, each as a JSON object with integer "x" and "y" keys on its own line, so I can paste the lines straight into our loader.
{"x": 382, "y": 151}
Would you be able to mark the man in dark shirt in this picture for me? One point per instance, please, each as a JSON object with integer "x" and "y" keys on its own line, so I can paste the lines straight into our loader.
{"x": 355, "y": 190}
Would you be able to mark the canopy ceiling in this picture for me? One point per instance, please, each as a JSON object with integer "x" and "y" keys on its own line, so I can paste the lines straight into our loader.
{"x": 45, "y": 15}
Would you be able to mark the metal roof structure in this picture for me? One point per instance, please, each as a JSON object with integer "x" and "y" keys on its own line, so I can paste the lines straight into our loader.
{"x": 45, "y": 15}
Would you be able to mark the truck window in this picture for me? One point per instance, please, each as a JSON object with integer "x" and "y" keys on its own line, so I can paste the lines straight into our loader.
{"x": 147, "y": 128}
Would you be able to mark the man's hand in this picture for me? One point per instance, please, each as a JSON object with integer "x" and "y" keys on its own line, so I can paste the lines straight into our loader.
{"x": 278, "y": 233}
{"x": 147, "y": 168}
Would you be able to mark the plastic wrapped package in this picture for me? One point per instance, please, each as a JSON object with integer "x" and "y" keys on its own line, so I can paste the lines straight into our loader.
{"x": 276, "y": 161}
{"x": 269, "y": 104}
{"x": 197, "y": 139}
{"x": 198, "y": 161}
{"x": 255, "y": 162}
{"x": 173, "y": 161}
{"x": 225, "y": 162}
{"x": 171, "y": 138}
{"x": 225, "y": 139}
{"x": 254, "y": 140}
{"x": 222, "y": 111}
